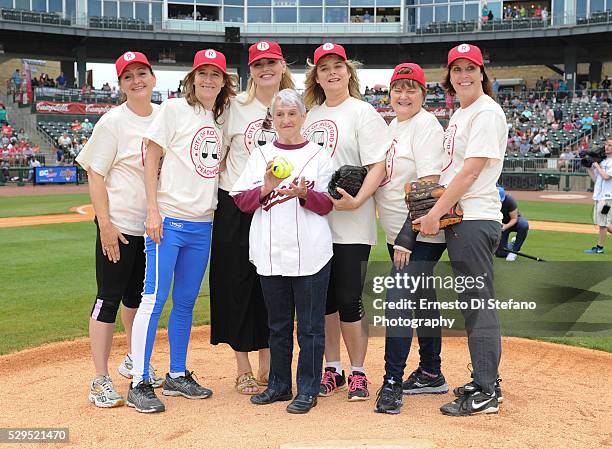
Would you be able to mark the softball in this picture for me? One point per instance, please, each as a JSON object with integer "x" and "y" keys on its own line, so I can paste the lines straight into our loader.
{"x": 281, "y": 167}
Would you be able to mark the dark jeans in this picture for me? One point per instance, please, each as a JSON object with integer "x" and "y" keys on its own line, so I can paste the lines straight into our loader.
{"x": 285, "y": 297}
{"x": 521, "y": 227}
{"x": 470, "y": 246}
{"x": 398, "y": 340}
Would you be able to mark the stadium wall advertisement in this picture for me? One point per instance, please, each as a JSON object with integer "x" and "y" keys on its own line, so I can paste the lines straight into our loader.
{"x": 50, "y": 107}
{"x": 54, "y": 175}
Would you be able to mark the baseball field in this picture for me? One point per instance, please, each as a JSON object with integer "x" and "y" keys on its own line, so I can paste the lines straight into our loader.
{"x": 557, "y": 394}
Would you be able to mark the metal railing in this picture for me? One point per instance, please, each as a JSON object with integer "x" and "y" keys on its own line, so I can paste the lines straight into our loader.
{"x": 217, "y": 26}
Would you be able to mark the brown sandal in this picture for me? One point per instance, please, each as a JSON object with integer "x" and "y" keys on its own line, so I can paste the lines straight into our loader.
{"x": 246, "y": 381}
{"x": 263, "y": 382}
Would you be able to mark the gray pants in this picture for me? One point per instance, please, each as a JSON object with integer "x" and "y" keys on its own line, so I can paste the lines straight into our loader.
{"x": 470, "y": 246}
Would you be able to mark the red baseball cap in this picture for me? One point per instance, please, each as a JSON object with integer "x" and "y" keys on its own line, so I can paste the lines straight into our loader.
{"x": 467, "y": 51}
{"x": 329, "y": 49}
{"x": 209, "y": 57}
{"x": 264, "y": 49}
{"x": 415, "y": 73}
{"x": 130, "y": 57}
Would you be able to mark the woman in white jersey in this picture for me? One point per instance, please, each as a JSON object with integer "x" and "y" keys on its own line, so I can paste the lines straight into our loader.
{"x": 291, "y": 246}
{"x": 180, "y": 206}
{"x": 353, "y": 133}
{"x": 415, "y": 153}
{"x": 237, "y": 310}
{"x": 475, "y": 144}
{"x": 114, "y": 164}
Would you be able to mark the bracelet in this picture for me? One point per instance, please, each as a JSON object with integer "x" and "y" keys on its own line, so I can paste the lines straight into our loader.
{"x": 402, "y": 249}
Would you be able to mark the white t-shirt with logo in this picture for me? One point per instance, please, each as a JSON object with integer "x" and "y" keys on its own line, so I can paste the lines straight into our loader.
{"x": 115, "y": 150}
{"x": 286, "y": 239}
{"x": 479, "y": 130}
{"x": 353, "y": 133}
{"x": 191, "y": 142}
{"x": 244, "y": 134}
{"x": 414, "y": 151}
{"x": 603, "y": 188}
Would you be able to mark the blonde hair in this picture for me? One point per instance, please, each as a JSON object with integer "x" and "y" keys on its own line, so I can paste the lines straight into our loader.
{"x": 223, "y": 98}
{"x": 285, "y": 83}
{"x": 314, "y": 94}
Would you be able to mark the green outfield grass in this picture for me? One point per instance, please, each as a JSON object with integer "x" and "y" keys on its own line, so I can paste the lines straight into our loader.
{"x": 49, "y": 285}
{"x": 24, "y": 206}
{"x": 564, "y": 212}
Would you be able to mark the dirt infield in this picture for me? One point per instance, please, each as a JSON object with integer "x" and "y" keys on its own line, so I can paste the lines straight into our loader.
{"x": 555, "y": 397}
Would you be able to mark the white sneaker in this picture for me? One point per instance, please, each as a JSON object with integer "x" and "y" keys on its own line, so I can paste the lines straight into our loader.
{"x": 125, "y": 369}
{"x": 103, "y": 394}
{"x": 511, "y": 257}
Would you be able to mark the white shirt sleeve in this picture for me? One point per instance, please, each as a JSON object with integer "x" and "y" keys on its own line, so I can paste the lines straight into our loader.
{"x": 163, "y": 127}
{"x": 485, "y": 135}
{"x": 326, "y": 170}
{"x": 427, "y": 146}
{"x": 371, "y": 136}
{"x": 251, "y": 177}
{"x": 100, "y": 151}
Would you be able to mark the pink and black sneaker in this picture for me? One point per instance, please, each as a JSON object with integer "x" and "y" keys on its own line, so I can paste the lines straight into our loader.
{"x": 358, "y": 387}
{"x": 332, "y": 382}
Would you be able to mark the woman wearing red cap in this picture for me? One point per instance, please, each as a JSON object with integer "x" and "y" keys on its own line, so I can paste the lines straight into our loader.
{"x": 237, "y": 311}
{"x": 180, "y": 204}
{"x": 351, "y": 130}
{"x": 113, "y": 160}
{"x": 415, "y": 153}
{"x": 475, "y": 144}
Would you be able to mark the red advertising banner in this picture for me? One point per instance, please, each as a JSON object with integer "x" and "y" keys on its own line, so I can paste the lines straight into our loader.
{"x": 51, "y": 107}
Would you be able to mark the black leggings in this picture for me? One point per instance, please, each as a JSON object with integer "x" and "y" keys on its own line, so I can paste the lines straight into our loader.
{"x": 348, "y": 271}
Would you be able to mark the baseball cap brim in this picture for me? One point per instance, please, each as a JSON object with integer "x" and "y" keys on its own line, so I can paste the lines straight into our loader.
{"x": 135, "y": 62}
{"x": 468, "y": 57}
{"x": 265, "y": 56}
{"x": 209, "y": 63}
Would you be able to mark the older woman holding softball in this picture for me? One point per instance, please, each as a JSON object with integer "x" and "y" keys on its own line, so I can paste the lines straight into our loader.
{"x": 290, "y": 243}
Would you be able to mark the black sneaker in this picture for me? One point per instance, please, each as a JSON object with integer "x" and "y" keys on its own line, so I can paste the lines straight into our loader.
{"x": 143, "y": 398}
{"x": 302, "y": 404}
{"x": 389, "y": 398}
{"x": 469, "y": 404}
{"x": 358, "y": 387}
{"x": 185, "y": 386}
{"x": 421, "y": 383}
{"x": 471, "y": 387}
{"x": 332, "y": 382}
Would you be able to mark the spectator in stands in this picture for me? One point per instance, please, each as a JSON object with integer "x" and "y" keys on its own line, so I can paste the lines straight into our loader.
{"x": 524, "y": 146}
{"x": 106, "y": 87}
{"x": 484, "y": 15}
{"x": 490, "y": 15}
{"x": 16, "y": 77}
{"x": 3, "y": 114}
{"x": 512, "y": 221}
{"x": 601, "y": 174}
{"x": 545, "y": 16}
{"x": 22, "y": 135}
{"x": 554, "y": 126}
{"x": 64, "y": 141}
{"x": 5, "y": 169}
{"x": 60, "y": 155}
{"x": 495, "y": 86}
{"x": 75, "y": 125}
{"x": 367, "y": 18}
{"x": 7, "y": 130}
{"x": 522, "y": 12}
{"x": 587, "y": 122}
{"x": 605, "y": 114}
{"x": 61, "y": 80}
{"x": 550, "y": 115}
{"x": 86, "y": 125}
{"x": 605, "y": 84}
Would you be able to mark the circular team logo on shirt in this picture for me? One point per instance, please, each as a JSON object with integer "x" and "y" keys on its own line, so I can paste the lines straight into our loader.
{"x": 210, "y": 54}
{"x": 205, "y": 150}
{"x": 256, "y": 137}
{"x": 263, "y": 46}
{"x": 463, "y": 48}
{"x": 449, "y": 145}
{"x": 389, "y": 162}
{"x": 129, "y": 56}
{"x": 328, "y": 46}
{"x": 323, "y": 133}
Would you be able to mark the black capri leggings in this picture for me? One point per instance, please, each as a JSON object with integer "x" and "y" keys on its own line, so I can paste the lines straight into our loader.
{"x": 348, "y": 271}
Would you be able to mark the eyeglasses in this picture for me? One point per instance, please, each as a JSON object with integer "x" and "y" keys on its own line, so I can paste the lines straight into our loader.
{"x": 267, "y": 123}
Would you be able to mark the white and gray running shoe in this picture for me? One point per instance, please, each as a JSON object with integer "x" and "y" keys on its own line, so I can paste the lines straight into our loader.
{"x": 143, "y": 398}
{"x": 103, "y": 394}
{"x": 125, "y": 369}
{"x": 185, "y": 386}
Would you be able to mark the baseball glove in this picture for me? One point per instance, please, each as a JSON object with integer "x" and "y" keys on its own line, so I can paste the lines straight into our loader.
{"x": 422, "y": 196}
{"x": 348, "y": 177}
